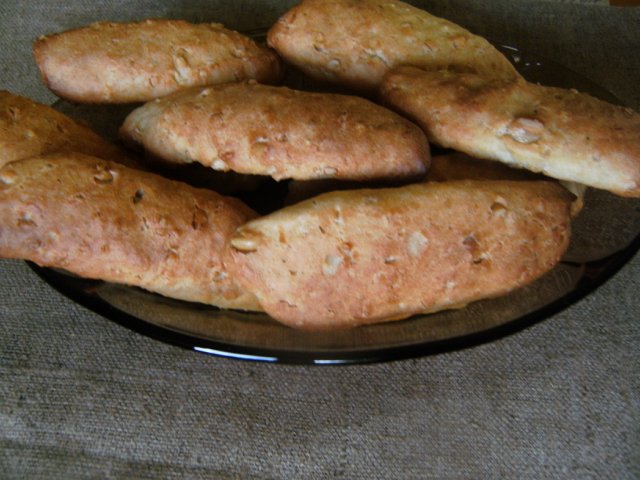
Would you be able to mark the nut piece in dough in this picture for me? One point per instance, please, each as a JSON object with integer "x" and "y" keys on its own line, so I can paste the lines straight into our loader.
{"x": 134, "y": 62}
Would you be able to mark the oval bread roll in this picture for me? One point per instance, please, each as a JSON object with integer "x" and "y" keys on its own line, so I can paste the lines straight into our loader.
{"x": 356, "y": 257}
{"x": 562, "y": 133}
{"x": 135, "y": 62}
{"x": 102, "y": 220}
{"x": 355, "y": 42}
{"x": 257, "y": 129}
{"x": 29, "y": 129}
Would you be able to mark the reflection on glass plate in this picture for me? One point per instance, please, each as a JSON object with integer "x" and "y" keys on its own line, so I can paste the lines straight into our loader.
{"x": 605, "y": 236}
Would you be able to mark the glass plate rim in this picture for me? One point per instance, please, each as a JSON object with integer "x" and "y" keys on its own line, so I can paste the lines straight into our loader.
{"x": 596, "y": 274}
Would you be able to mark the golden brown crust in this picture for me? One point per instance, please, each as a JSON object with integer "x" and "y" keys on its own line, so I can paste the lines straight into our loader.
{"x": 257, "y": 129}
{"x": 562, "y": 133}
{"x": 133, "y": 62}
{"x": 355, "y": 42}
{"x": 356, "y": 257}
{"x": 102, "y": 220}
{"x": 28, "y": 129}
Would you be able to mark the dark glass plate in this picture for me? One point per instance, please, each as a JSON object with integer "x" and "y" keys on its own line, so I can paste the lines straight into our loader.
{"x": 606, "y": 235}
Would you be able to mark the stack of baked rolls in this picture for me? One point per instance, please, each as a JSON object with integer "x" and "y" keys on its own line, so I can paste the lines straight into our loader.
{"x": 374, "y": 229}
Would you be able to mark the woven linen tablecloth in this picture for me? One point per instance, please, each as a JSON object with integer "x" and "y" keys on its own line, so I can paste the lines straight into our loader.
{"x": 82, "y": 397}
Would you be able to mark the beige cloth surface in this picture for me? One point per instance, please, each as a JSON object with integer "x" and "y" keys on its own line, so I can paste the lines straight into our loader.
{"x": 82, "y": 397}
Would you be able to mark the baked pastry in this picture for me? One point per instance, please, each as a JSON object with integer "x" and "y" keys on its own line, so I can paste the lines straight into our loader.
{"x": 110, "y": 62}
{"x": 561, "y": 133}
{"x": 29, "y": 128}
{"x": 459, "y": 166}
{"x": 101, "y": 220}
{"x": 263, "y": 130}
{"x": 355, "y": 42}
{"x": 298, "y": 190}
{"x": 444, "y": 167}
{"x": 356, "y": 257}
